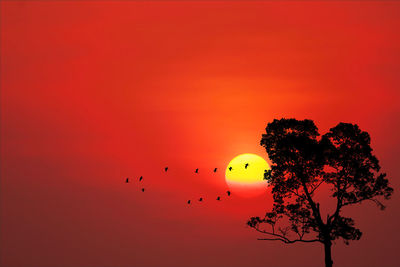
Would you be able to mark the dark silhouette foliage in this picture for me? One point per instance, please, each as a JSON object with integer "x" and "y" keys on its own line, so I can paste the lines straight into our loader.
{"x": 302, "y": 161}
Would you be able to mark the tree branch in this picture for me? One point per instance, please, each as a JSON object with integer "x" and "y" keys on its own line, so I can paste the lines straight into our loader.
{"x": 377, "y": 202}
{"x": 314, "y": 207}
{"x": 339, "y": 203}
{"x": 269, "y": 233}
{"x": 290, "y": 241}
{"x": 283, "y": 238}
{"x": 315, "y": 188}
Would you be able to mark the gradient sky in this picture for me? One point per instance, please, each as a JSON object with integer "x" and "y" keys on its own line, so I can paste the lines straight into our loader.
{"x": 94, "y": 91}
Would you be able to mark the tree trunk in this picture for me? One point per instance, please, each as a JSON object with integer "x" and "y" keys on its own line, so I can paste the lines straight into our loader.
{"x": 328, "y": 255}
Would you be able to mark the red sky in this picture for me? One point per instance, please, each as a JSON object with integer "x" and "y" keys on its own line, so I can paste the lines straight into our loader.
{"x": 94, "y": 91}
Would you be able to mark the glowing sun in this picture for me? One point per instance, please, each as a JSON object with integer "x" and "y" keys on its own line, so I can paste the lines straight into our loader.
{"x": 245, "y": 175}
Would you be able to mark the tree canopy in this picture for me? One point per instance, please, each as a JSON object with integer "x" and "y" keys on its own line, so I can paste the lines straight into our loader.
{"x": 302, "y": 161}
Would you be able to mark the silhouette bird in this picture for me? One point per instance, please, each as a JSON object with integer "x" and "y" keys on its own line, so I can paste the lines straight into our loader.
{"x": 141, "y": 178}
{"x": 230, "y": 168}
{"x": 166, "y": 168}
{"x": 201, "y": 199}
{"x": 197, "y": 170}
{"x": 218, "y": 198}
{"x": 229, "y": 193}
{"x": 215, "y": 170}
{"x": 188, "y": 201}
{"x": 142, "y": 189}
{"x": 246, "y": 165}
{"x": 127, "y": 180}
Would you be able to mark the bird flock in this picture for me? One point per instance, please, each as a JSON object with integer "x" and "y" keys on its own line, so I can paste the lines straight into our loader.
{"x": 127, "y": 180}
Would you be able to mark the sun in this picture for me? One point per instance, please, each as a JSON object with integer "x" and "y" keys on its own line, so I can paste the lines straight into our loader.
{"x": 245, "y": 175}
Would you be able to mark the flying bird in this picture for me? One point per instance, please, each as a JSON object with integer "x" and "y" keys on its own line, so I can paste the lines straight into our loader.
{"x": 197, "y": 170}
{"x": 188, "y": 201}
{"x": 140, "y": 178}
{"x": 230, "y": 168}
{"x": 201, "y": 199}
{"x": 127, "y": 180}
{"x": 246, "y": 165}
{"x": 142, "y": 189}
{"x": 229, "y": 193}
{"x": 215, "y": 170}
{"x": 166, "y": 168}
{"x": 218, "y": 198}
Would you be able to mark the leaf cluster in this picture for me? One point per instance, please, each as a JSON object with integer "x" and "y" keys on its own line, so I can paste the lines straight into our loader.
{"x": 302, "y": 160}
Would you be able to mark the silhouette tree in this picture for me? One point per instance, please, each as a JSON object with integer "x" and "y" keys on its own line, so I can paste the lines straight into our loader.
{"x": 302, "y": 161}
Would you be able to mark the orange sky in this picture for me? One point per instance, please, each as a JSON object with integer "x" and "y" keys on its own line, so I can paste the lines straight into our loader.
{"x": 94, "y": 91}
